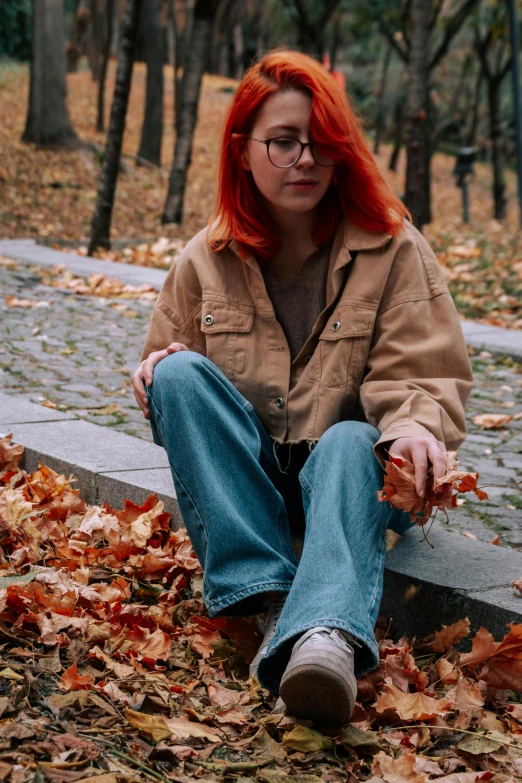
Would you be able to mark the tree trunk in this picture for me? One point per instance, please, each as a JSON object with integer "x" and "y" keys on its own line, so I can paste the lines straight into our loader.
{"x": 398, "y": 114}
{"x": 195, "y": 62}
{"x": 152, "y": 128}
{"x": 96, "y": 50}
{"x": 416, "y": 112}
{"x": 472, "y": 133}
{"x": 76, "y": 46}
{"x": 381, "y": 100}
{"x": 101, "y": 220}
{"x": 239, "y": 44}
{"x": 497, "y": 149}
{"x": 100, "y": 119}
{"x": 48, "y": 121}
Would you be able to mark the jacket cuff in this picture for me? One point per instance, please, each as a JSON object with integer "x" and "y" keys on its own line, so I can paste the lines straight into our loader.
{"x": 407, "y": 428}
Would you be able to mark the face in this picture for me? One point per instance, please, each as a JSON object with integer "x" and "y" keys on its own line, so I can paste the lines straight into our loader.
{"x": 298, "y": 188}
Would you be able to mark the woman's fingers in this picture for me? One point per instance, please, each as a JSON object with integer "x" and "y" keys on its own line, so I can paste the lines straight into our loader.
{"x": 174, "y": 347}
{"x": 420, "y": 463}
{"x": 139, "y": 391}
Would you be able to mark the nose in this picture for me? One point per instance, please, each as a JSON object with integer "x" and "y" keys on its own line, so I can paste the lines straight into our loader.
{"x": 306, "y": 159}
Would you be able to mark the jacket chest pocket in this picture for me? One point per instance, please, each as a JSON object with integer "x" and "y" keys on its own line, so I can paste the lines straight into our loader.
{"x": 344, "y": 344}
{"x": 226, "y": 329}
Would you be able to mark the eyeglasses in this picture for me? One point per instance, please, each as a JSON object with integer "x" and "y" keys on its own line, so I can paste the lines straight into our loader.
{"x": 285, "y": 151}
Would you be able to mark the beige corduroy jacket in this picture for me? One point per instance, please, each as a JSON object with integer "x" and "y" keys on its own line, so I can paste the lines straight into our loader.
{"x": 387, "y": 349}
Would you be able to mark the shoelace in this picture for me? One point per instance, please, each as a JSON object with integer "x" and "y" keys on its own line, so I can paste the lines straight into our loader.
{"x": 333, "y": 634}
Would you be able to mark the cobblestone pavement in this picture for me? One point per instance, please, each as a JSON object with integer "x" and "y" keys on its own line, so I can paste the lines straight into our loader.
{"x": 79, "y": 353}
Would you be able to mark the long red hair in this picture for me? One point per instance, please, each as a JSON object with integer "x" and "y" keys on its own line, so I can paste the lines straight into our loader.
{"x": 358, "y": 189}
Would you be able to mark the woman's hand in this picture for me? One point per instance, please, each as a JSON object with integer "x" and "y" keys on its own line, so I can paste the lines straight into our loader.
{"x": 143, "y": 375}
{"x": 418, "y": 451}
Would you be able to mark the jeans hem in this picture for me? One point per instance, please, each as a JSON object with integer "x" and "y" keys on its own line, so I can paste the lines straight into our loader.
{"x": 220, "y": 605}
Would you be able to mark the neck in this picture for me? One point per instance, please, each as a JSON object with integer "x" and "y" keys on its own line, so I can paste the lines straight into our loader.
{"x": 293, "y": 228}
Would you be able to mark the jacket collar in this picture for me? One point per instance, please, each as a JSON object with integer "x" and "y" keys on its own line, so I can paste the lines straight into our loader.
{"x": 352, "y": 236}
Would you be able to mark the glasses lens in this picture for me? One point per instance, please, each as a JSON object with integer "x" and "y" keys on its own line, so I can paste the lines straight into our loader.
{"x": 322, "y": 155}
{"x": 283, "y": 151}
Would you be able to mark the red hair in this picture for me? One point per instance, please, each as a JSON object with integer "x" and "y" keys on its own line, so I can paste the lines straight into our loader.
{"x": 358, "y": 189}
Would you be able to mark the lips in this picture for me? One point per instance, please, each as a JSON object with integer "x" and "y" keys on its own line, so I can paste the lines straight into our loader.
{"x": 304, "y": 182}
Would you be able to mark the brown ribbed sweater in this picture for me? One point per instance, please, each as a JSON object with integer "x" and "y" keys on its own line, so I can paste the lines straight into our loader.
{"x": 298, "y": 303}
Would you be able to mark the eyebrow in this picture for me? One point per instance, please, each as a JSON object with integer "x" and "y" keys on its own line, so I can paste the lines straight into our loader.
{"x": 284, "y": 127}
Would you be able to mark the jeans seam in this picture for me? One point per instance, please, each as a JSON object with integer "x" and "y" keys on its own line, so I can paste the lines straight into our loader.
{"x": 182, "y": 485}
{"x": 378, "y": 582}
{"x": 289, "y": 553}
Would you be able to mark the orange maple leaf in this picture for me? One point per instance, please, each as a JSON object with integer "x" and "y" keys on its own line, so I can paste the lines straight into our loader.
{"x": 399, "y": 487}
{"x": 72, "y": 680}
{"x": 450, "y": 635}
{"x": 411, "y": 706}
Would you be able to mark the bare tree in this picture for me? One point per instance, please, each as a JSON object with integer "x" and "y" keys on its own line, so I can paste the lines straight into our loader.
{"x": 48, "y": 121}
{"x": 493, "y": 50}
{"x": 311, "y": 30}
{"x": 109, "y": 15}
{"x": 76, "y": 45}
{"x": 194, "y": 66}
{"x": 380, "y": 117}
{"x": 434, "y": 30}
{"x": 101, "y": 220}
{"x": 152, "y": 128}
{"x": 416, "y": 110}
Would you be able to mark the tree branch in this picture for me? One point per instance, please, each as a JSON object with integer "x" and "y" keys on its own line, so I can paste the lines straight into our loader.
{"x": 385, "y": 30}
{"x": 454, "y": 25}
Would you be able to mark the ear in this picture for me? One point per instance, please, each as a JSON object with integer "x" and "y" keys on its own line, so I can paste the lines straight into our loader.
{"x": 245, "y": 162}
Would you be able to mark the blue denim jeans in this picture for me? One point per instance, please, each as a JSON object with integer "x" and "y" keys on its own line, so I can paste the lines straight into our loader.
{"x": 231, "y": 493}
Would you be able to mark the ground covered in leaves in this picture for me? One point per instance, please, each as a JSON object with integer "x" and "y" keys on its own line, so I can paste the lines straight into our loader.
{"x": 50, "y": 194}
{"x": 111, "y": 670}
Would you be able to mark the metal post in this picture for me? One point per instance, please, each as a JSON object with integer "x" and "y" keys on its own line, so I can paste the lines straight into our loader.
{"x": 513, "y": 24}
{"x": 465, "y": 199}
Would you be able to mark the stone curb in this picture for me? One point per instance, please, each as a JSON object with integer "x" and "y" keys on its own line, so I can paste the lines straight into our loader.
{"x": 424, "y": 586}
{"x": 494, "y": 339}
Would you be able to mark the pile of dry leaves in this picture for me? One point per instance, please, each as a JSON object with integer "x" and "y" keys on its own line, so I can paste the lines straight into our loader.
{"x": 111, "y": 670}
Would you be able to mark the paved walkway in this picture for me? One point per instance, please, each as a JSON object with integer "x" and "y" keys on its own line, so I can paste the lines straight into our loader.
{"x": 79, "y": 352}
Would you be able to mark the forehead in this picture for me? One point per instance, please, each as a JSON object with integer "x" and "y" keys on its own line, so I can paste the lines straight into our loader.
{"x": 289, "y": 108}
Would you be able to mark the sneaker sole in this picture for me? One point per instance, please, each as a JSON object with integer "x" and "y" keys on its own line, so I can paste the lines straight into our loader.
{"x": 316, "y": 691}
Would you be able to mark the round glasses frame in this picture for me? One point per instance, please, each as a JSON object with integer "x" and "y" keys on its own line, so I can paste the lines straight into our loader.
{"x": 303, "y": 144}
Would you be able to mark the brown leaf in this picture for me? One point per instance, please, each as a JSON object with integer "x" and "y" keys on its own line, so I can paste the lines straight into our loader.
{"x": 399, "y": 770}
{"x": 72, "y": 680}
{"x": 492, "y": 421}
{"x": 466, "y": 700}
{"x": 411, "y": 706}
{"x": 450, "y": 635}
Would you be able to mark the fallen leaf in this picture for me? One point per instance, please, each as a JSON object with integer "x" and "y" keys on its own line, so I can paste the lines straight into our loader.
{"x": 450, "y": 635}
{"x": 492, "y": 421}
{"x": 399, "y": 770}
{"x": 411, "y": 706}
{"x": 72, "y": 680}
{"x": 306, "y": 740}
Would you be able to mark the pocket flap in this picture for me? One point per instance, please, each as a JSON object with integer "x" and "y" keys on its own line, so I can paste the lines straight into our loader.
{"x": 224, "y": 317}
{"x": 349, "y": 321}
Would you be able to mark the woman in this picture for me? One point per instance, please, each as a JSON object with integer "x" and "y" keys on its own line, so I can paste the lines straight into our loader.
{"x": 304, "y": 334}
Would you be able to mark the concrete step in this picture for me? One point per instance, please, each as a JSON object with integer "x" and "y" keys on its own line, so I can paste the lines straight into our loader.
{"x": 424, "y": 586}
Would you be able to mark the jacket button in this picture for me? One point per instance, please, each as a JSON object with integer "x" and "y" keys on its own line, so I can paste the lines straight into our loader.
{"x": 308, "y": 357}
{"x": 336, "y": 326}
{"x": 280, "y": 402}
{"x": 209, "y": 319}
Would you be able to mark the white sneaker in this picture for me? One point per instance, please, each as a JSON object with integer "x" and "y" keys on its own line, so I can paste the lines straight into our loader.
{"x": 267, "y": 627}
{"x": 319, "y": 682}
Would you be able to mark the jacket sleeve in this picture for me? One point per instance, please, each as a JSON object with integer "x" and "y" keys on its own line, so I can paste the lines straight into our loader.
{"x": 418, "y": 375}
{"x": 177, "y": 313}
